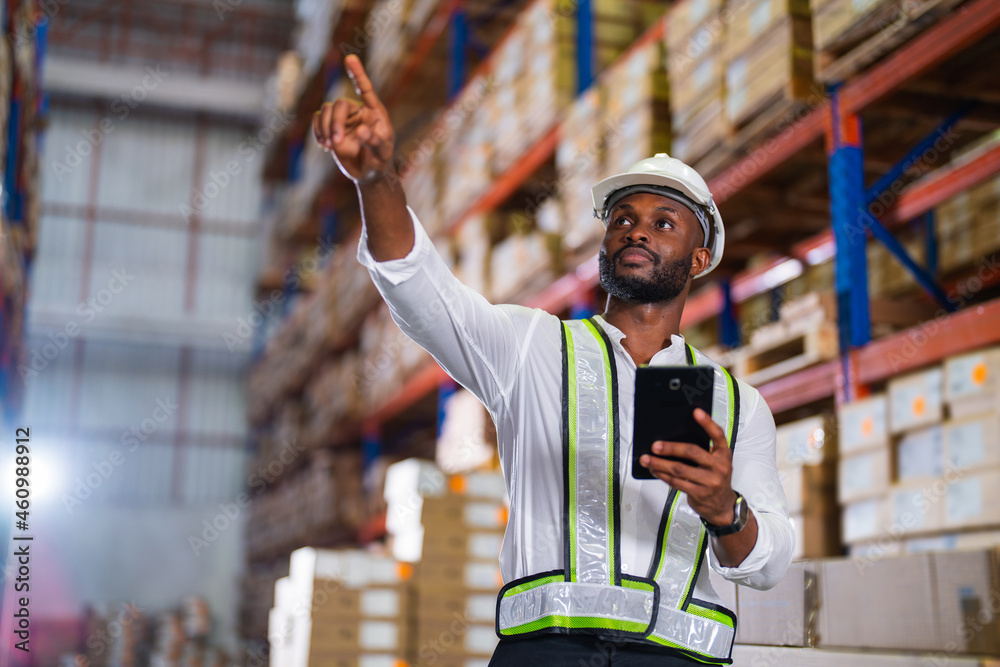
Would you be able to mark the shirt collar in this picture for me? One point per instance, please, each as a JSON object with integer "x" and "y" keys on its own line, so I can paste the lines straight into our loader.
{"x": 672, "y": 354}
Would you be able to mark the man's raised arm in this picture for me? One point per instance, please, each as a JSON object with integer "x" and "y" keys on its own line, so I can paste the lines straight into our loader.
{"x": 362, "y": 141}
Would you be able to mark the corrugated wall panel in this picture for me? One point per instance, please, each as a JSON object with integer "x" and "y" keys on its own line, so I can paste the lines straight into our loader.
{"x": 144, "y": 477}
{"x": 156, "y": 257}
{"x": 212, "y": 474}
{"x": 225, "y": 277}
{"x": 55, "y": 278}
{"x": 49, "y": 389}
{"x": 122, "y": 385}
{"x": 235, "y": 160}
{"x": 65, "y": 170}
{"x": 148, "y": 164}
{"x": 217, "y": 403}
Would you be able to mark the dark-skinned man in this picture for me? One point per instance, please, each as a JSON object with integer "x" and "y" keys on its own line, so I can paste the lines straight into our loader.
{"x": 601, "y": 568}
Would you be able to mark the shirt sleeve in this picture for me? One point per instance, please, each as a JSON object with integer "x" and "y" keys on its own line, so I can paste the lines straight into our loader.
{"x": 755, "y": 476}
{"x": 475, "y": 341}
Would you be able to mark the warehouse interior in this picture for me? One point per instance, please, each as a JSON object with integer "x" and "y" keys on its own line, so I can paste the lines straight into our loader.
{"x": 236, "y": 458}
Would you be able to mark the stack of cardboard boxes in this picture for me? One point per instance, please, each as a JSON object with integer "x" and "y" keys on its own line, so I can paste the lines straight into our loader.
{"x": 451, "y": 528}
{"x": 768, "y": 52}
{"x": 863, "y": 468}
{"x": 968, "y": 226}
{"x": 886, "y": 275}
{"x": 342, "y": 608}
{"x": 972, "y": 441}
{"x": 458, "y": 577}
{"x": 580, "y": 165}
{"x": 911, "y": 480}
{"x": 696, "y": 66}
{"x": 806, "y": 451}
{"x": 636, "y": 111}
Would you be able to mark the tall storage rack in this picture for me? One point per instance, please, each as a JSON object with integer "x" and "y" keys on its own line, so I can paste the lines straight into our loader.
{"x": 21, "y": 118}
{"x": 827, "y": 142}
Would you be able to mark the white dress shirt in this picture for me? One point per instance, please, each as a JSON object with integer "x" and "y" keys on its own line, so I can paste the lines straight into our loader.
{"x": 510, "y": 357}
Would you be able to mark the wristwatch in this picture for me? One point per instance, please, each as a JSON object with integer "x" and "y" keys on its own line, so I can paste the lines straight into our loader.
{"x": 742, "y": 513}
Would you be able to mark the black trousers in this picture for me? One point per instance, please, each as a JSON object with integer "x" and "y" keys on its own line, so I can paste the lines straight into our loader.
{"x": 582, "y": 651}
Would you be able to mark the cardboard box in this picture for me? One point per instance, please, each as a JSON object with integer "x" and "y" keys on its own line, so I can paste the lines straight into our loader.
{"x": 690, "y": 15}
{"x": 476, "y": 606}
{"x": 759, "y": 656}
{"x": 784, "y": 615}
{"x": 780, "y": 64}
{"x": 691, "y": 89}
{"x": 877, "y": 548}
{"x": 751, "y": 20}
{"x": 806, "y": 441}
{"x": 836, "y": 17}
{"x": 972, "y": 443}
{"x": 817, "y": 534}
{"x": 462, "y": 544}
{"x": 967, "y": 587}
{"x": 456, "y": 633}
{"x": 920, "y": 454}
{"x": 863, "y": 475}
{"x": 810, "y": 488}
{"x": 915, "y": 507}
{"x": 863, "y": 424}
{"x": 916, "y": 400}
{"x": 457, "y": 510}
{"x": 973, "y": 499}
{"x": 971, "y": 386}
{"x": 359, "y": 659}
{"x": 886, "y": 603}
{"x": 478, "y": 576}
{"x": 863, "y": 521}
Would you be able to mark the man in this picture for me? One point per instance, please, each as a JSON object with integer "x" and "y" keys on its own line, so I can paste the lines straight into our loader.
{"x": 601, "y": 568}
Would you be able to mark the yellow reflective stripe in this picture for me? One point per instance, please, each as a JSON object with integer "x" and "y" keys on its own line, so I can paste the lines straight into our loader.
{"x": 639, "y": 585}
{"x": 710, "y": 614}
{"x": 666, "y": 536}
{"x": 731, "y": 389}
{"x": 528, "y": 585}
{"x": 571, "y": 418}
{"x": 702, "y": 533}
{"x": 609, "y": 466}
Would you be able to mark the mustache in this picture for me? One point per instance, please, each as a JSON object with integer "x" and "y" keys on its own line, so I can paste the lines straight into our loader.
{"x": 636, "y": 246}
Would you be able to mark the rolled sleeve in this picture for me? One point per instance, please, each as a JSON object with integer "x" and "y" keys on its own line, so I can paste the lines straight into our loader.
{"x": 755, "y": 476}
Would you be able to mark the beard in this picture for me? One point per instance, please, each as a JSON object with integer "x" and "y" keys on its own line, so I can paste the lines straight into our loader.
{"x": 666, "y": 281}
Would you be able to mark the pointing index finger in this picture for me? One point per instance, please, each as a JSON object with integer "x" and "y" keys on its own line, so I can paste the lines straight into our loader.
{"x": 362, "y": 84}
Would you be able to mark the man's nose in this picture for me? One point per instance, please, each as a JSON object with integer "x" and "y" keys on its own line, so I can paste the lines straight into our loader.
{"x": 636, "y": 233}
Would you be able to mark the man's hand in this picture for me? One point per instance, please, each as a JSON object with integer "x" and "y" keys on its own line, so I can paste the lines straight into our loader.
{"x": 707, "y": 485}
{"x": 360, "y": 135}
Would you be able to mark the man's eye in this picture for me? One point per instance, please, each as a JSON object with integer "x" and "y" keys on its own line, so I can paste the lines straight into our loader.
{"x": 621, "y": 220}
{"x": 663, "y": 222}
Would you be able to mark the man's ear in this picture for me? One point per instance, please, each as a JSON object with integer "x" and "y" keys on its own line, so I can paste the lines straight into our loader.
{"x": 701, "y": 258}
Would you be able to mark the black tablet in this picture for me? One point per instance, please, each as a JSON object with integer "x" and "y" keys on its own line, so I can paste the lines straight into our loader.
{"x": 665, "y": 399}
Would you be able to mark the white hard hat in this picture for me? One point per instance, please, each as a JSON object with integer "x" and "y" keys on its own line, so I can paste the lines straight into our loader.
{"x": 664, "y": 171}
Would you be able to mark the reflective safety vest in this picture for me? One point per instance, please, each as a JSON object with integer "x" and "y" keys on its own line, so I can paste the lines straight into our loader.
{"x": 590, "y": 595}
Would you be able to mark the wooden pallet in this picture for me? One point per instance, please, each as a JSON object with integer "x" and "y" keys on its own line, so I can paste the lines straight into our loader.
{"x": 781, "y": 355}
{"x": 876, "y": 35}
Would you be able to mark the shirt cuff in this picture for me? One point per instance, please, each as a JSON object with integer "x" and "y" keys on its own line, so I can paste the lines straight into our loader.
{"x": 755, "y": 560}
{"x": 396, "y": 271}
